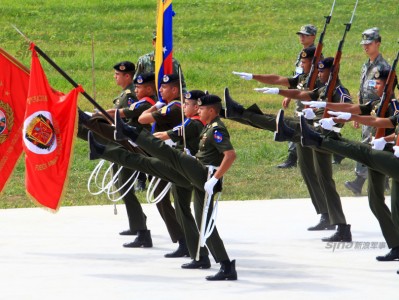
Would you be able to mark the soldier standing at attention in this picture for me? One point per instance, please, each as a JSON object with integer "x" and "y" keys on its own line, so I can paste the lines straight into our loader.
{"x": 371, "y": 42}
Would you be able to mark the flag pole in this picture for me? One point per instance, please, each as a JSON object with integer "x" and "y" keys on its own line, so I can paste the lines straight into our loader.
{"x": 65, "y": 75}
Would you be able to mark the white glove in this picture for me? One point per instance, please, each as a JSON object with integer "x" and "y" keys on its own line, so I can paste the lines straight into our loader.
{"x": 327, "y": 123}
{"x": 210, "y": 184}
{"x": 246, "y": 76}
{"x": 396, "y": 149}
{"x": 315, "y": 104}
{"x": 308, "y": 113}
{"x": 378, "y": 144}
{"x": 267, "y": 90}
{"x": 159, "y": 104}
{"x": 341, "y": 115}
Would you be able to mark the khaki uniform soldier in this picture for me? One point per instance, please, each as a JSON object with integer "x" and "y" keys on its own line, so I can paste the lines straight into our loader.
{"x": 389, "y": 223}
{"x": 306, "y": 159}
{"x": 214, "y": 149}
{"x": 371, "y": 41}
{"x": 146, "y": 63}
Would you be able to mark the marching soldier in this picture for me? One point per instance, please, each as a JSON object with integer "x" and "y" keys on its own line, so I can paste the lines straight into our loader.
{"x": 389, "y": 223}
{"x": 306, "y": 157}
{"x": 192, "y": 130}
{"x": 307, "y": 36}
{"x": 165, "y": 116}
{"x": 215, "y": 150}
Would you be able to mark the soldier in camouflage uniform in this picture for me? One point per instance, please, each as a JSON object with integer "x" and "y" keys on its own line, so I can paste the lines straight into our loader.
{"x": 307, "y": 36}
{"x": 371, "y": 41}
{"x": 146, "y": 63}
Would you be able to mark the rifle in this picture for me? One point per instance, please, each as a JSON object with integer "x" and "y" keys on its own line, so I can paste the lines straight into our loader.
{"x": 311, "y": 80}
{"x": 332, "y": 79}
{"x": 386, "y": 96}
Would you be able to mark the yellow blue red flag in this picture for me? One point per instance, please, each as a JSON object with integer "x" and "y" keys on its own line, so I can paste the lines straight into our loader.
{"x": 164, "y": 42}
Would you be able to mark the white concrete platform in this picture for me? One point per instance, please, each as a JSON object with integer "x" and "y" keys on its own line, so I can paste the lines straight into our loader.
{"x": 78, "y": 254}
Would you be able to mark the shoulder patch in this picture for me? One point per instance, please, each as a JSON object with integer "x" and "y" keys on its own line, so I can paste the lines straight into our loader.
{"x": 217, "y": 136}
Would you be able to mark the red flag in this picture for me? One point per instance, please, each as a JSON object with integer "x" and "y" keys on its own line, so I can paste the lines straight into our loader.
{"x": 48, "y": 134}
{"x": 14, "y": 81}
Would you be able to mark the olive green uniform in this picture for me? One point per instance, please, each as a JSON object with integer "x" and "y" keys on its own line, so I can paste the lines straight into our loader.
{"x": 382, "y": 162}
{"x": 182, "y": 169}
{"x": 182, "y": 196}
{"x": 166, "y": 118}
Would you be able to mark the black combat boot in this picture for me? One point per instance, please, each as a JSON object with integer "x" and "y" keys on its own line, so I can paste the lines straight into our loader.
{"x": 95, "y": 148}
{"x": 356, "y": 185}
{"x": 309, "y": 137}
{"x": 181, "y": 251}
{"x": 283, "y": 132}
{"x": 227, "y": 272}
{"x": 232, "y": 108}
{"x": 290, "y": 162}
{"x": 390, "y": 256}
{"x": 124, "y": 131}
{"x": 324, "y": 223}
{"x": 143, "y": 239}
{"x": 128, "y": 232}
{"x": 343, "y": 234}
{"x": 202, "y": 263}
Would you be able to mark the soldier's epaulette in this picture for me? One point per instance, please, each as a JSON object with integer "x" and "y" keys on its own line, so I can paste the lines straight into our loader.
{"x": 215, "y": 125}
{"x": 128, "y": 91}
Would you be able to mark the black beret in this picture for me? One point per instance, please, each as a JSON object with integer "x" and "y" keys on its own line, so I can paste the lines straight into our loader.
{"x": 194, "y": 95}
{"x": 169, "y": 78}
{"x": 125, "y": 66}
{"x": 308, "y": 52}
{"x": 144, "y": 78}
{"x": 325, "y": 63}
{"x": 209, "y": 100}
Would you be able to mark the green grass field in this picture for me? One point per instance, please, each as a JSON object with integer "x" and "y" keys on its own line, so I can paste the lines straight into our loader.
{"x": 212, "y": 38}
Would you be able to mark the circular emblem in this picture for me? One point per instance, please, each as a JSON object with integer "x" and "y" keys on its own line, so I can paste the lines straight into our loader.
{"x": 122, "y": 67}
{"x": 140, "y": 79}
{"x": 6, "y": 121}
{"x": 304, "y": 54}
{"x": 199, "y": 102}
{"x": 377, "y": 75}
{"x": 321, "y": 66}
{"x": 165, "y": 78}
{"x": 39, "y": 134}
{"x": 187, "y": 96}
